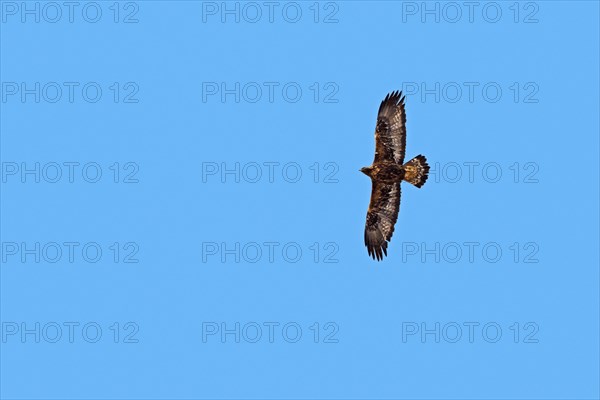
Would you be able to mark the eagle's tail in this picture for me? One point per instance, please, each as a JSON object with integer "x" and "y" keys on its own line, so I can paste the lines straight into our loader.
{"x": 416, "y": 171}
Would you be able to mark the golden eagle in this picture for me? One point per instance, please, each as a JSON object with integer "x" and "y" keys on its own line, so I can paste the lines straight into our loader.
{"x": 387, "y": 172}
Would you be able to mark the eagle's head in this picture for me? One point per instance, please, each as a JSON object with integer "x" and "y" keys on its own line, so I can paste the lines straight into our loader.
{"x": 366, "y": 170}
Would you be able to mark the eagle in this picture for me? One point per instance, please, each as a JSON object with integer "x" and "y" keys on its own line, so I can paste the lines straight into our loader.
{"x": 387, "y": 172}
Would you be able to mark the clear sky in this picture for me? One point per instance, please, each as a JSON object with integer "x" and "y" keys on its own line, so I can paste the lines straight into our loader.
{"x": 183, "y": 212}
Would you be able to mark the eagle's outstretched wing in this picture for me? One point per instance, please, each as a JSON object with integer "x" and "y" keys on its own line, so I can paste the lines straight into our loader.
{"x": 381, "y": 217}
{"x": 390, "y": 132}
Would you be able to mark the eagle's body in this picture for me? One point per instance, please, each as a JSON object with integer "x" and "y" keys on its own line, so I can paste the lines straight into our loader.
{"x": 387, "y": 172}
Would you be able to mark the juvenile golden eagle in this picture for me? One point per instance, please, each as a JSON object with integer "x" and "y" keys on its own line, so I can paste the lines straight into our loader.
{"x": 387, "y": 172}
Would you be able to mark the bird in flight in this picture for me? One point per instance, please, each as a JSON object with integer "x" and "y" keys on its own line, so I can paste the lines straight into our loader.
{"x": 387, "y": 172}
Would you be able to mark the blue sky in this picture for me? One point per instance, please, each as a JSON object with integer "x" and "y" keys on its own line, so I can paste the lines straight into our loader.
{"x": 183, "y": 215}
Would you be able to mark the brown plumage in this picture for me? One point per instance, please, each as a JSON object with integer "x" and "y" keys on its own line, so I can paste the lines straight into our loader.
{"x": 386, "y": 173}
